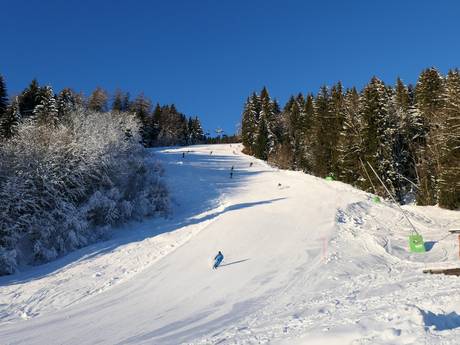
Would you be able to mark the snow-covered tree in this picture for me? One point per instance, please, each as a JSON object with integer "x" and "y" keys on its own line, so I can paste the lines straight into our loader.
{"x": 249, "y": 122}
{"x": 379, "y": 132}
{"x": 10, "y": 120}
{"x": 67, "y": 102}
{"x": 429, "y": 93}
{"x": 62, "y": 186}
{"x": 350, "y": 145}
{"x": 46, "y": 111}
{"x": 449, "y": 142}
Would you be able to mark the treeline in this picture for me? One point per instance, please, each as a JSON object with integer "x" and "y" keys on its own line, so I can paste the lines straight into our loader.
{"x": 70, "y": 169}
{"x": 224, "y": 139}
{"x": 159, "y": 125}
{"x": 409, "y": 134}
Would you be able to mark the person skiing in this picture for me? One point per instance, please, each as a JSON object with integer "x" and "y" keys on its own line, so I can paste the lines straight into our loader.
{"x": 217, "y": 260}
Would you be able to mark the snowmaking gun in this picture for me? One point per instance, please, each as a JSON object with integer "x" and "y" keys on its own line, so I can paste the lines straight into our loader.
{"x": 416, "y": 243}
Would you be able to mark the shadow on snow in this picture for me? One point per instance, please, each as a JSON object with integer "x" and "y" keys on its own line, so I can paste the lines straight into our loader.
{"x": 233, "y": 262}
{"x": 195, "y": 188}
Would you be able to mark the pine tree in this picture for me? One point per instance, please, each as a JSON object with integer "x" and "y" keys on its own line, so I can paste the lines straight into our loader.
{"x": 195, "y": 132}
{"x": 262, "y": 141}
{"x": 293, "y": 131}
{"x": 142, "y": 108}
{"x": 117, "y": 104}
{"x": 98, "y": 100}
{"x": 379, "y": 132}
{"x": 250, "y": 122}
{"x": 11, "y": 120}
{"x": 406, "y": 142}
{"x": 306, "y": 134}
{"x": 28, "y": 100}
{"x": 66, "y": 103}
{"x": 337, "y": 113}
{"x": 429, "y": 102}
{"x": 350, "y": 146}
{"x": 3, "y": 97}
{"x": 269, "y": 110}
{"x": 156, "y": 123}
{"x": 449, "y": 142}
{"x": 323, "y": 128}
{"x": 46, "y": 112}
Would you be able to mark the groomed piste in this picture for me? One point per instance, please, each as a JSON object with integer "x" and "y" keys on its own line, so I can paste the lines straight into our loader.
{"x": 306, "y": 261}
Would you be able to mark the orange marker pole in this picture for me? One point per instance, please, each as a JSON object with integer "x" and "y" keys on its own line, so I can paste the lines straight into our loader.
{"x": 459, "y": 246}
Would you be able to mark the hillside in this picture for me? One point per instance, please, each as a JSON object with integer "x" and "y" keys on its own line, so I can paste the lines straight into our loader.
{"x": 307, "y": 261}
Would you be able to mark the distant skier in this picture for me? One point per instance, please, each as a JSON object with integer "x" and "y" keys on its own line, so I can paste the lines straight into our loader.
{"x": 217, "y": 260}
{"x": 250, "y": 164}
{"x": 183, "y": 154}
{"x": 231, "y": 172}
{"x": 210, "y": 153}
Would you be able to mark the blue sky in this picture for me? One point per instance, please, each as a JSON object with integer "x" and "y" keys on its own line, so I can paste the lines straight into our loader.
{"x": 207, "y": 56}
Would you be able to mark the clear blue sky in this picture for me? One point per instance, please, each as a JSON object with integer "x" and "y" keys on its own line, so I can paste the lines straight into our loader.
{"x": 207, "y": 56}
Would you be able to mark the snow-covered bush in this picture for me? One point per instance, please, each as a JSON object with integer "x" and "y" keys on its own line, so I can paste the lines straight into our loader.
{"x": 62, "y": 185}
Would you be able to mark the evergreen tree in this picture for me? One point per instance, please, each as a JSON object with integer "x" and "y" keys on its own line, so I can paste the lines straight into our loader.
{"x": 3, "y": 97}
{"x": 269, "y": 110}
{"x": 429, "y": 93}
{"x": 379, "y": 130}
{"x": 67, "y": 102}
{"x": 408, "y": 129}
{"x": 323, "y": 131}
{"x": 156, "y": 123}
{"x": 350, "y": 146}
{"x": 449, "y": 143}
{"x": 293, "y": 131}
{"x": 195, "y": 131}
{"x": 46, "y": 112}
{"x": 250, "y": 122}
{"x": 117, "y": 104}
{"x": 262, "y": 141}
{"x": 336, "y": 125}
{"x": 98, "y": 100}
{"x": 11, "y": 120}
{"x": 28, "y": 100}
{"x": 126, "y": 104}
{"x": 142, "y": 108}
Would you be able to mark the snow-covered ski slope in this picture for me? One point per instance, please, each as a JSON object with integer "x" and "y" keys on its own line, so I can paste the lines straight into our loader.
{"x": 307, "y": 261}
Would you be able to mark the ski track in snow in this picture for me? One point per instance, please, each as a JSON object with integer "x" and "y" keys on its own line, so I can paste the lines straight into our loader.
{"x": 307, "y": 262}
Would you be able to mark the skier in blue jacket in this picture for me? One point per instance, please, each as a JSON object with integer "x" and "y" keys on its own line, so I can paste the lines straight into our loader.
{"x": 218, "y": 259}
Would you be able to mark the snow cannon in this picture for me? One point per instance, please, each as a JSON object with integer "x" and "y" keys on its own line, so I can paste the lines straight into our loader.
{"x": 416, "y": 243}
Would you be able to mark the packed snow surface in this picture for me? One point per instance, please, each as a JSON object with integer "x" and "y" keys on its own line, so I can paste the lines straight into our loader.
{"x": 307, "y": 261}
